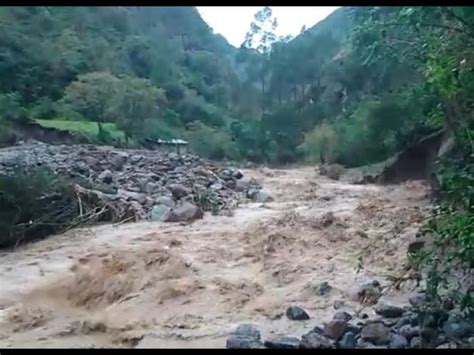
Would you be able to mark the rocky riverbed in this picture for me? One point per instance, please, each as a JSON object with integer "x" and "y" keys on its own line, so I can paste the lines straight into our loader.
{"x": 141, "y": 184}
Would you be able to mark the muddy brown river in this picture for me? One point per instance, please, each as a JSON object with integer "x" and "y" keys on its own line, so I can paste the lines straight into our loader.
{"x": 165, "y": 285}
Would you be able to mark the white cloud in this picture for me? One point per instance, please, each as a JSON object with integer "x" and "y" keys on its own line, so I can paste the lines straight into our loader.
{"x": 233, "y": 22}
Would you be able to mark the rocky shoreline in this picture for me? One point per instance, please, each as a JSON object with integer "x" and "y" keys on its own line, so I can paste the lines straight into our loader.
{"x": 394, "y": 327}
{"x": 140, "y": 184}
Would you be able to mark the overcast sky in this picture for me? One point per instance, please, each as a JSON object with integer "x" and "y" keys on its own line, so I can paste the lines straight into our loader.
{"x": 233, "y": 22}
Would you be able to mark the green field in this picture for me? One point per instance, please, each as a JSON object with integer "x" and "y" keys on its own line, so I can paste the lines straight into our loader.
{"x": 85, "y": 128}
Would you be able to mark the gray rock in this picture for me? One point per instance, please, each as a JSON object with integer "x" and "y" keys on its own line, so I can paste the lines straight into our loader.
{"x": 341, "y": 315}
{"x": 245, "y": 336}
{"x": 456, "y": 327}
{"x": 160, "y": 213}
{"x": 415, "y": 343}
{"x": 239, "y": 342}
{"x": 338, "y": 304}
{"x": 417, "y": 300}
{"x": 242, "y": 185}
{"x": 252, "y": 193}
{"x": 408, "y": 331}
{"x": 296, "y": 313}
{"x": 106, "y": 177}
{"x": 397, "y": 342}
{"x": 322, "y": 289}
{"x": 118, "y": 159}
{"x": 92, "y": 162}
{"x": 376, "y": 333}
{"x": 217, "y": 186}
{"x": 335, "y": 329}
{"x": 388, "y": 311}
{"x": 313, "y": 340}
{"x": 262, "y": 196}
{"x": 185, "y": 211}
{"x": 347, "y": 341}
{"x": 165, "y": 200}
{"x": 178, "y": 191}
{"x": 367, "y": 290}
{"x": 236, "y": 174}
{"x": 248, "y": 330}
{"x": 283, "y": 343}
{"x": 416, "y": 246}
{"x": 151, "y": 187}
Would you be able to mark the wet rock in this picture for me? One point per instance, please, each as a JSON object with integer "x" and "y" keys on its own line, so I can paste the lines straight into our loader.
{"x": 236, "y": 174}
{"x": 262, "y": 196}
{"x": 92, "y": 162}
{"x": 322, "y": 289}
{"x": 185, "y": 211}
{"x": 447, "y": 345}
{"x": 106, "y": 177}
{"x": 134, "y": 159}
{"x": 178, "y": 190}
{"x": 367, "y": 291}
{"x": 338, "y": 304}
{"x": 283, "y": 343}
{"x": 417, "y": 299}
{"x": 347, "y": 341}
{"x": 376, "y": 333}
{"x": 296, "y": 313}
{"x": 456, "y": 327}
{"x": 398, "y": 342}
{"x": 239, "y": 342}
{"x": 334, "y": 171}
{"x": 407, "y": 319}
{"x": 242, "y": 185}
{"x": 416, "y": 246}
{"x": 341, "y": 315}
{"x": 408, "y": 331}
{"x": 248, "y": 330}
{"x": 160, "y": 213}
{"x": 217, "y": 186}
{"x": 415, "y": 343}
{"x": 388, "y": 311}
{"x": 334, "y": 329}
{"x": 118, "y": 160}
{"x": 313, "y": 340}
{"x": 165, "y": 200}
{"x": 245, "y": 336}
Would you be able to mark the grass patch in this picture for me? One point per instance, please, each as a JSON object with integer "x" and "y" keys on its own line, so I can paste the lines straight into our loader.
{"x": 86, "y": 128}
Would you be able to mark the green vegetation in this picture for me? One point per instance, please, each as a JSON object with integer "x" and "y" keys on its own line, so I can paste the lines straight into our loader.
{"x": 86, "y": 128}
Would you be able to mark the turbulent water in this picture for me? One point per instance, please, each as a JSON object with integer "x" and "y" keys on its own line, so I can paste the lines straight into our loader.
{"x": 189, "y": 285}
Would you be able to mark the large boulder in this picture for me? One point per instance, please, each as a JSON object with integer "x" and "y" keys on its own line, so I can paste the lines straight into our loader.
{"x": 245, "y": 336}
{"x": 296, "y": 313}
{"x": 314, "y": 340}
{"x": 185, "y": 211}
{"x": 334, "y": 171}
{"x": 118, "y": 159}
{"x": 376, "y": 333}
{"x": 160, "y": 213}
{"x": 178, "y": 190}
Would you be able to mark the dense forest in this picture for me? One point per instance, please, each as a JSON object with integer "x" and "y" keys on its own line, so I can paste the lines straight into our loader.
{"x": 355, "y": 89}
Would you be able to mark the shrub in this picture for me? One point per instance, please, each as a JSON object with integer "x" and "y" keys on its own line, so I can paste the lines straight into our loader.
{"x": 319, "y": 144}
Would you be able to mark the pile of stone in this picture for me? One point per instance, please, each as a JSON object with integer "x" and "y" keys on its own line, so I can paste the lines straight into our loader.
{"x": 139, "y": 184}
{"x": 394, "y": 328}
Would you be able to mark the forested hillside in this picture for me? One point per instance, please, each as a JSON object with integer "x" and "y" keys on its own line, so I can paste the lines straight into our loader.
{"x": 154, "y": 72}
{"x": 160, "y": 72}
